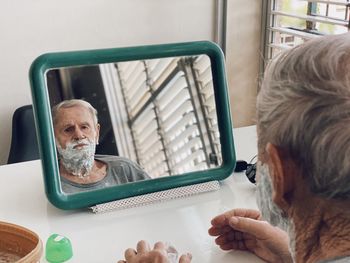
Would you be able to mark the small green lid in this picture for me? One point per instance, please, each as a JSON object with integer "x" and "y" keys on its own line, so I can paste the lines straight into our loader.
{"x": 58, "y": 249}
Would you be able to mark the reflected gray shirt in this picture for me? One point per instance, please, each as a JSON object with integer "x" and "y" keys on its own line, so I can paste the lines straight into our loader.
{"x": 120, "y": 170}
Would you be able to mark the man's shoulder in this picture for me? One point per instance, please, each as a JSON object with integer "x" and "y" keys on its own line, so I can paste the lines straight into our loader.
{"x": 114, "y": 161}
{"x": 112, "y": 158}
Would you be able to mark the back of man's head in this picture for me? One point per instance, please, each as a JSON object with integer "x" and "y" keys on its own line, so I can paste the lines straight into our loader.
{"x": 303, "y": 107}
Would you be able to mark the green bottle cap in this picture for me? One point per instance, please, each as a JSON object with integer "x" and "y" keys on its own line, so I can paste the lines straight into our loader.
{"x": 58, "y": 249}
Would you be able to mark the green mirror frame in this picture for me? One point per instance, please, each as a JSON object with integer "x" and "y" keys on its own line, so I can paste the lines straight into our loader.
{"x": 44, "y": 127}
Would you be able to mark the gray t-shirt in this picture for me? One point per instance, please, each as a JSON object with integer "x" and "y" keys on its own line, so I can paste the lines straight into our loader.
{"x": 120, "y": 170}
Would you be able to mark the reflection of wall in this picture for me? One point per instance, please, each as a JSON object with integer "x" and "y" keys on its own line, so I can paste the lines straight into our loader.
{"x": 30, "y": 28}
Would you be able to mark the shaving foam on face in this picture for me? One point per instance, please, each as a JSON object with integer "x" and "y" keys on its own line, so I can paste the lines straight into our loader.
{"x": 78, "y": 160}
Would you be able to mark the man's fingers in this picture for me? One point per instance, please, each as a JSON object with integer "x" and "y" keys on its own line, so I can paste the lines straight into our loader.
{"x": 186, "y": 258}
{"x": 229, "y": 237}
{"x": 235, "y": 245}
{"x": 143, "y": 253}
{"x": 256, "y": 228}
{"x": 142, "y": 247}
{"x": 227, "y": 246}
{"x": 160, "y": 246}
{"x": 129, "y": 253}
{"x": 216, "y": 231}
{"x": 249, "y": 213}
{"x": 233, "y": 237}
{"x": 241, "y": 212}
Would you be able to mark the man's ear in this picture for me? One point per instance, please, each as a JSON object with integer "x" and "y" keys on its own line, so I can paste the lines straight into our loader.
{"x": 282, "y": 178}
{"x": 97, "y": 133}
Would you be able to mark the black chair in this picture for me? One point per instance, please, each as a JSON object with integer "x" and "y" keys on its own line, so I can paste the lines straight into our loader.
{"x": 24, "y": 143}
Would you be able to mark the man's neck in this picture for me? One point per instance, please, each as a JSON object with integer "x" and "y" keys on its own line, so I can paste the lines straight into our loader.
{"x": 322, "y": 229}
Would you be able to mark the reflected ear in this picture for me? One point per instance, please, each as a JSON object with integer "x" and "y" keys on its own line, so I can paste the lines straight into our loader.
{"x": 97, "y": 133}
{"x": 282, "y": 179}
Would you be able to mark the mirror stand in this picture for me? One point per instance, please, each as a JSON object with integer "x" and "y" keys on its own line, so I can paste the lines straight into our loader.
{"x": 146, "y": 199}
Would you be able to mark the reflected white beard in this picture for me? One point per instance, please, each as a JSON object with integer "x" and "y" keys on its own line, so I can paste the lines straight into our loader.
{"x": 79, "y": 162}
{"x": 269, "y": 210}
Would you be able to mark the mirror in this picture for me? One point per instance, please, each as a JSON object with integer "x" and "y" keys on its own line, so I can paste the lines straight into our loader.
{"x": 163, "y": 121}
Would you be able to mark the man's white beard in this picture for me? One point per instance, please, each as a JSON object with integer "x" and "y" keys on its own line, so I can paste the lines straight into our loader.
{"x": 269, "y": 210}
{"x": 78, "y": 161}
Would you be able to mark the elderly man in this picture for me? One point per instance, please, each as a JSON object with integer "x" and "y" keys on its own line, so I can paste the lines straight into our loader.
{"x": 77, "y": 133}
{"x": 303, "y": 124}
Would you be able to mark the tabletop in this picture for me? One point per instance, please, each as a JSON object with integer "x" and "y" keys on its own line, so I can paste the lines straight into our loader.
{"x": 183, "y": 222}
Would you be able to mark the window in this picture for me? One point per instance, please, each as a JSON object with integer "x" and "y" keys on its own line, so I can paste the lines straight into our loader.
{"x": 291, "y": 22}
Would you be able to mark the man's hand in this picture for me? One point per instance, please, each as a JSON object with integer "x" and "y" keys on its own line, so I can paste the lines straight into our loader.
{"x": 144, "y": 254}
{"x": 243, "y": 229}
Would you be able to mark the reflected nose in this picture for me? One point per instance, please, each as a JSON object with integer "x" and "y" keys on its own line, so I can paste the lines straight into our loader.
{"x": 78, "y": 134}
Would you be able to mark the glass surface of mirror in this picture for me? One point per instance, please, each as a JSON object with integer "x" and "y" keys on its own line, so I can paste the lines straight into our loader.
{"x": 157, "y": 118}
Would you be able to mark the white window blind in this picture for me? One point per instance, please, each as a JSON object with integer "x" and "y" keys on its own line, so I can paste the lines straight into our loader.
{"x": 291, "y": 22}
{"x": 169, "y": 107}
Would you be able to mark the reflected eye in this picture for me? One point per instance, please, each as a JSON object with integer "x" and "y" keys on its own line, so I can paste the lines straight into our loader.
{"x": 68, "y": 129}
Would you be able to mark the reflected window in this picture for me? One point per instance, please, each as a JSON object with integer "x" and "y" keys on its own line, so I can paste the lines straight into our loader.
{"x": 163, "y": 113}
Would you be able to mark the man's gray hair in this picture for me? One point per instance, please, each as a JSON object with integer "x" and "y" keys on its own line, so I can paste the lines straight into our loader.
{"x": 303, "y": 107}
{"x": 73, "y": 103}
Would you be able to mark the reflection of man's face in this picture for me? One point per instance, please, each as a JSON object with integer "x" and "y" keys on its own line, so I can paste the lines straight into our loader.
{"x": 76, "y": 136}
{"x": 74, "y": 124}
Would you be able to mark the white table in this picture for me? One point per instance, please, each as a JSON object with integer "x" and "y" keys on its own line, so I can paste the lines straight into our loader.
{"x": 103, "y": 237}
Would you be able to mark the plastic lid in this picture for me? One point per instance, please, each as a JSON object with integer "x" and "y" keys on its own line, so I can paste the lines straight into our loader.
{"x": 58, "y": 249}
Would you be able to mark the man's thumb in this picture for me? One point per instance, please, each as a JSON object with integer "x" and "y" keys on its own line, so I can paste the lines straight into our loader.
{"x": 186, "y": 258}
{"x": 251, "y": 226}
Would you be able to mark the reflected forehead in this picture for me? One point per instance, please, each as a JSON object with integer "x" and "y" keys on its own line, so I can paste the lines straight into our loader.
{"x": 72, "y": 115}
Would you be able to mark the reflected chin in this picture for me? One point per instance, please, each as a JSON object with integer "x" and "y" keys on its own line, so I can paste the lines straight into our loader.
{"x": 78, "y": 160}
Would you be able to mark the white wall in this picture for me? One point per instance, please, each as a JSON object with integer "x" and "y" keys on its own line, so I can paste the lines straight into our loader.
{"x": 30, "y": 28}
{"x": 243, "y": 58}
